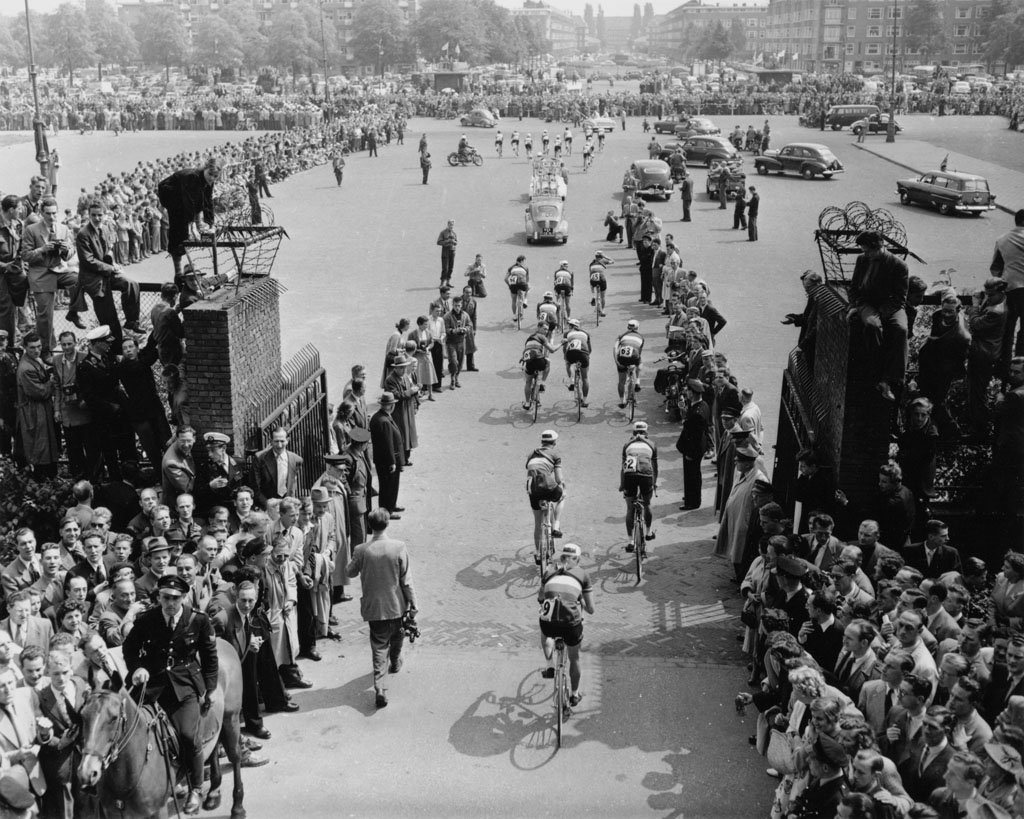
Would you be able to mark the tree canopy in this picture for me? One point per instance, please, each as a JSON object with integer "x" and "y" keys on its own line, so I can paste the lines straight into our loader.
{"x": 67, "y": 39}
{"x": 162, "y": 38}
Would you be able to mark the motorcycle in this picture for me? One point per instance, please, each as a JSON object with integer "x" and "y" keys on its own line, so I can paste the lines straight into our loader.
{"x": 471, "y": 157}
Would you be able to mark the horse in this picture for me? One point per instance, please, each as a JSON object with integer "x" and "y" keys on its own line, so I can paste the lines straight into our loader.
{"x": 128, "y": 767}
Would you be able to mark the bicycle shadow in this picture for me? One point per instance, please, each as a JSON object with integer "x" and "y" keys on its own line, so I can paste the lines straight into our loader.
{"x": 518, "y": 725}
{"x": 518, "y": 574}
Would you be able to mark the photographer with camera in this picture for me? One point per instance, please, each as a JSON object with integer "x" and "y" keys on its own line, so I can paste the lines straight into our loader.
{"x": 388, "y": 602}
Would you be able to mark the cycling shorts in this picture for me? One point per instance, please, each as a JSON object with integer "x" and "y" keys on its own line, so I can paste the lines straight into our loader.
{"x": 623, "y": 363}
{"x": 581, "y": 357}
{"x": 573, "y": 635}
{"x": 536, "y": 365}
{"x": 564, "y": 288}
{"x": 551, "y": 495}
{"x": 519, "y": 287}
{"x": 601, "y": 285}
{"x": 632, "y": 483}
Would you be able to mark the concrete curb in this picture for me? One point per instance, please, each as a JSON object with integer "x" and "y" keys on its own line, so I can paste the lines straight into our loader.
{"x": 896, "y": 162}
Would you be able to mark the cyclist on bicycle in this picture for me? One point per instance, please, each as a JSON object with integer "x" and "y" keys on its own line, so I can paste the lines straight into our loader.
{"x": 564, "y": 282}
{"x": 627, "y": 350}
{"x": 600, "y": 140}
{"x": 518, "y": 280}
{"x": 567, "y": 139}
{"x": 544, "y": 140}
{"x": 557, "y": 146}
{"x": 638, "y": 476}
{"x": 514, "y": 142}
{"x": 564, "y": 593}
{"x": 547, "y": 312}
{"x": 588, "y": 152}
{"x": 597, "y": 275}
{"x": 576, "y": 344}
{"x": 544, "y": 483}
{"x": 528, "y": 145}
{"x": 535, "y": 361}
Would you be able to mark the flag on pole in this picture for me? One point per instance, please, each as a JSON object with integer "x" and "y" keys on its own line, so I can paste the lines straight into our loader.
{"x": 795, "y": 55}
{"x": 444, "y": 49}
{"x": 458, "y": 50}
{"x": 945, "y": 161}
{"x": 759, "y": 59}
{"x": 781, "y": 55}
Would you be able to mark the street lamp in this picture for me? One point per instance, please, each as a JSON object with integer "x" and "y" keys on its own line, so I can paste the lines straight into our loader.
{"x": 890, "y": 131}
{"x": 38, "y": 126}
{"x": 380, "y": 46}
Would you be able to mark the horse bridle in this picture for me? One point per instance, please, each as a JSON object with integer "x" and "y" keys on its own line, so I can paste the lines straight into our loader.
{"x": 117, "y": 745}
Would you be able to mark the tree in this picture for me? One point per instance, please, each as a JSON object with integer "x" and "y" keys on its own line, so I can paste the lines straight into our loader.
{"x": 243, "y": 18}
{"x": 456, "y": 22}
{"x": 66, "y": 39}
{"x": 290, "y": 44}
{"x": 162, "y": 38}
{"x": 637, "y": 24}
{"x": 648, "y": 20}
{"x": 922, "y": 27}
{"x": 738, "y": 37}
{"x": 1005, "y": 42}
{"x": 716, "y": 46}
{"x": 325, "y": 36}
{"x": 114, "y": 41}
{"x": 602, "y": 33}
{"x": 378, "y": 23}
{"x": 216, "y": 44}
{"x": 11, "y": 52}
{"x": 588, "y": 18}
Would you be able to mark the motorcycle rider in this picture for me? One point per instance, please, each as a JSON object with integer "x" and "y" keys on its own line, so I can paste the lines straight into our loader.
{"x": 677, "y": 163}
{"x": 464, "y": 149}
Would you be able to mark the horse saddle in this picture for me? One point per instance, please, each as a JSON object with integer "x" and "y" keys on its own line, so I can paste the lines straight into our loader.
{"x": 167, "y": 737}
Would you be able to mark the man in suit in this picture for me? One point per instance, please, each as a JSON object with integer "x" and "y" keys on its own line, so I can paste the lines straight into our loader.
{"x": 1007, "y": 680}
{"x": 173, "y": 650}
{"x": 940, "y": 622}
{"x": 355, "y": 467}
{"x": 388, "y": 594}
{"x": 693, "y": 440}
{"x": 903, "y": 735}
{"x": 277, "y": 470}
{"x": 108, "y": 403}
{"x": 186, "y": 195}
{"x": 93, "y": 568}
{"x": 168, "y": 332}
{"x": 178, "y": 468}
{"x": 24, "y": 629}
{"x": 388, "y": 454}
{"x": 26, "y": 568}
{"x": 245, "y": 632}
{"x": 971, "y": 730}
{"x": 220, "y": 474}
{"x": 821, "y": 635}
{"x": 46, "y": 247}
{"x": 117, "y": 621}
{"x": 877, "y": 697}
{"x": 857, "y": 662}
{"x": 19, "y": 734}
{"x": 935, "y": 556}
{"x": 926, "y": 768}
{"x": 355, "y": 392}
{"x": 822, "y": 547}
{"x": 59, "y": 754}
{"x": 99, "y": 277}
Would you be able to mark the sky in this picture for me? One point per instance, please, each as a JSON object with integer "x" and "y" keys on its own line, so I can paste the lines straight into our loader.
{"x": 612, "y": 8}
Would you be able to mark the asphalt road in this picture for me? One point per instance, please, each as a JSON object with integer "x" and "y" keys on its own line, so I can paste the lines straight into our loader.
{"x": 467, "y": 732}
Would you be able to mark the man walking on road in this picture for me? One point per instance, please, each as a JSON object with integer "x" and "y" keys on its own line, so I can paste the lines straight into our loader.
{"x": 753, "y": 205}
{"x": 383, "y": 567}
{"x": 447, "y": 240}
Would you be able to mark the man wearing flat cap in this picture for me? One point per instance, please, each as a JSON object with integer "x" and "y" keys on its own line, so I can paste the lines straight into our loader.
{"x": 694, "y": 441}
{"x": 173, "y": 651}
{"x": 388, "y": 454}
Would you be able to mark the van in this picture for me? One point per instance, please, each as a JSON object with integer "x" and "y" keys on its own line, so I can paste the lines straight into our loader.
{"x": 843, "y": 115}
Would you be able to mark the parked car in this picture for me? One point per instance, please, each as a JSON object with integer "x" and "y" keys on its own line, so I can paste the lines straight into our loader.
{"x": 694, "y": 126}
{"x": 606, "y": 124}
{"x": 479, "y": 118}
{"x": 705, "y": 150}
{"x": 960, "y": 87}
{"x": 875, "y": 124}
{"x": 545, "y": 220}
{"x": 805, "y": 158}
{"x": 949, "y": 191}
{"x": 668, "y": 125}
{"x": 650, "y": 177}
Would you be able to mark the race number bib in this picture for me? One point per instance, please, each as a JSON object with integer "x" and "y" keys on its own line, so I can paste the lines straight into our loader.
{"x": 513, "y": 279}
{"x": 575, "y": 344}
{"x": 595, "y": 278}
{"x": 547, "y": 609}
{"x": 625, "y": 351}
{"x": 631, "y": 464}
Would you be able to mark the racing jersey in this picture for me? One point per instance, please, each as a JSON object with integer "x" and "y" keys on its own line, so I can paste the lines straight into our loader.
{"x": 562, "y": 591}
{"x": 540, "y": 469}
{"x": 563, "y": 278}
{"x": 544, "y": 136}
{"x": 536, "y": 347}
{"x": 597, "y": 272}
{"x": 577, "y": 340}
{"x": 568, "y": 135}
{"x": 498, "y": 138}
{"x": 548, "y": 311}
{"x": 517, "y": 274}
{"x": 515, "y": 136}
{"x": 640, "y": 457}
{"x": 588, "y": 146}
{"x": 629, "y": 345}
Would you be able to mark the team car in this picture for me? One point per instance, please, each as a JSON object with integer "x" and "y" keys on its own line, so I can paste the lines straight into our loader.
{"x": 808, "y": 159}
{"x": 649, "y": 177}
{"x": 479, "y": 118}
{"x": 605, "y": 124}
{"x": 545, "y": 219}
{"x": 875, "y": 124}
{"x": 949, "y": 191}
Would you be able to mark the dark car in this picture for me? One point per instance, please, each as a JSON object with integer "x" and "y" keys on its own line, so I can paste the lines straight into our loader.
{"x": 478, "y": 118}
{"x": 805, "y": 158}
{"x": 695, "y": 126}
{"x": 668, "y": 125}
{"x": 949, "y": 191}
{"x": 706, "y": 150}
{"x": 649, "y": 177}
{"x": 875, "y": 124}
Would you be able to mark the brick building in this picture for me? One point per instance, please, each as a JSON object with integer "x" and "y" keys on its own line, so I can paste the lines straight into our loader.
{"x": 566, "y": 32}
{"x": 676, "y": 29}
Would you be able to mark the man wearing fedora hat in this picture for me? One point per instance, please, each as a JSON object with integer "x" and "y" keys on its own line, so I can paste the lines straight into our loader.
{"x": 401, "y": 383}
{"x": 694, "y": 441}
{"x": 739, "y": 512}
{"x": 388, "y": 454}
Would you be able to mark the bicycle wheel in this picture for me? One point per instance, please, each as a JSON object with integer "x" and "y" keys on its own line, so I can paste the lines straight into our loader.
{"x": 577, "y": 383}
{"x": 559, "y": 693}
{"x": 519, "y": 310}
{"x": 639, "y": 539}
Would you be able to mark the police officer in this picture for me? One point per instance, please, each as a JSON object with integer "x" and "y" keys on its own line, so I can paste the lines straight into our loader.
{"x": 172, "y": 649}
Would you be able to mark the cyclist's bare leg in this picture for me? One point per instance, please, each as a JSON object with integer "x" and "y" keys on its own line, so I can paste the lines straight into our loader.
{"x": 648, "y": 515}
{"x": 556, "y": 513}
{"x": 574, "y": 667}
{"x": 528, "y": 388}
{"x": 585, "y": 380}
{"x": 630, "y": 515}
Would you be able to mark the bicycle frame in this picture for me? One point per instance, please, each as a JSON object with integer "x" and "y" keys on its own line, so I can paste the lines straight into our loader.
{"x": 562, "y": 708}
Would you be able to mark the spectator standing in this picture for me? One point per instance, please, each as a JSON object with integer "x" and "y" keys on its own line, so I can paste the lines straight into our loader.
{"x": 986, "y": 320}
{"x": 178, "y": 467}
{"x": 388, "y": 454}
{"x": 168, "y": 332}
{"x": 69, "y": 408}
{"x": 1008, "y": 453}
{"x": 145, "y": 410}
{"x": 277, "y": 469}
{"x": 447, "y": 241}
{"x": 37, "y": 443}
{"x": 753, "y": 209}
{"x": 1008, "y": 264}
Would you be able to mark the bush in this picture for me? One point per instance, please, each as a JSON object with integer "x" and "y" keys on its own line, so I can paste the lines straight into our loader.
{"x": 25, "y": 501}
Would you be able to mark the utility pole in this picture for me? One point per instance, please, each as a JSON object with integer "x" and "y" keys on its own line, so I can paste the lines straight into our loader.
{"x": 890, "y": 131}
{"x": 38, "y": 126}
{"x": 323, "y": 46}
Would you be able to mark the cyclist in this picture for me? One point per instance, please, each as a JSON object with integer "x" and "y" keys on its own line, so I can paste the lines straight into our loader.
{"x": 567, "y": 139}
{"x": 535, "y": 360}
{"x": 638, "y": 476}
{"x": 547, "y": 312}
{"x": 499, "y": 142}
{"x": 597, "y": 275}
{"x": 544, "y": 482}
{"x": 528, "y": 145}
{"x": 588, "y": 152}
{"x": 600, "y": 140}
{"x": 576, "y": 344}
{"x": 544, "y": 140}
{"x": 564, "y": 592}
{"x": 558, "y": 146}
{"x": 627, "y": 351}
{"x": 564, "y": 281}
{"x": 518, "y": 280}
{"x": 514, "y": 142}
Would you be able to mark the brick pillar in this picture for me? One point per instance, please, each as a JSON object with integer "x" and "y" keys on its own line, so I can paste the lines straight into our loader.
{"x": 234, "y": 358}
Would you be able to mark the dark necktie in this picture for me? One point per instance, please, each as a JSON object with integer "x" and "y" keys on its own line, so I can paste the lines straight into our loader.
{"x": 843, "y": 672}
{"x": 888, "y": 700}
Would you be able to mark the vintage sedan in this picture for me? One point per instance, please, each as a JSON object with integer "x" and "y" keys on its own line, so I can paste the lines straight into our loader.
{"x": 949, "y": 191}
{"x": 875, "y": 124}
{"x": 479, "y": 118}
{"x": 606, "y": 124}
{"x": 695, "y": 126}
{"x": 707, "y": 150}
{"x": 808, "y": 159}
{"x": 545, "y": 220}
{"x": 668, "y": 125}
{"x": 649, "y": 177}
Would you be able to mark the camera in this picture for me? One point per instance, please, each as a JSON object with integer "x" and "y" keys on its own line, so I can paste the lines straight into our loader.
{"x": 412, "y": 631}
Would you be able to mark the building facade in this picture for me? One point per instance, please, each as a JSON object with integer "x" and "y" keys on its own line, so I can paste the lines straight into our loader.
{"x": 566, "y": 32}
{"x": 679, "y": 28}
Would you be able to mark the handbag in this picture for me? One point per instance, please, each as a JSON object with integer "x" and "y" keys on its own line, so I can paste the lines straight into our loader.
{"x": 780, "y": 752}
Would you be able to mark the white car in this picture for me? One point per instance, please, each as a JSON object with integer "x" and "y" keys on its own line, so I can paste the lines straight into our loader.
{"x": 605, "y": 124}
{"x": 960, "y": 87}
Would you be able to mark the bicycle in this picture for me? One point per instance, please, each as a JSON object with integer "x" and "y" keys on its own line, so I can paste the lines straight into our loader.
{"x": 562, "y": 312}
{"x": 547, "y": 539}
{"x": 630, "y": 390}
{"x": 499, "y": 147}
{"x": 562, "y": 693}
{"x": 535, "y": 395}
{"x": 639, "y": 535}
{"x": 577, "y": 388}
{"x": 520, "y": 298}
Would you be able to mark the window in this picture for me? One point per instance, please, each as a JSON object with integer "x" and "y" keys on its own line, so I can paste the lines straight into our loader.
{"x": 751, "y": 22}
{"x": 960, "y": 48}
{"x": 831, "y": 34}
{"x": 851, "y": 32}
{"x": 960, "y": 31}
{"x": 963, "y": 14}
{"x": 889, "y": 31}
{"x": 874, "y": 31}
{"x": 984, "y": 13}
{"x": 833, "y": 15}
{"x": 873, "y": 49}
{"x": 829, "y": 53}
{"x": 874, "y": 14}
{"x": 894, "y": 13}
{"x": 851, "y": 13}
